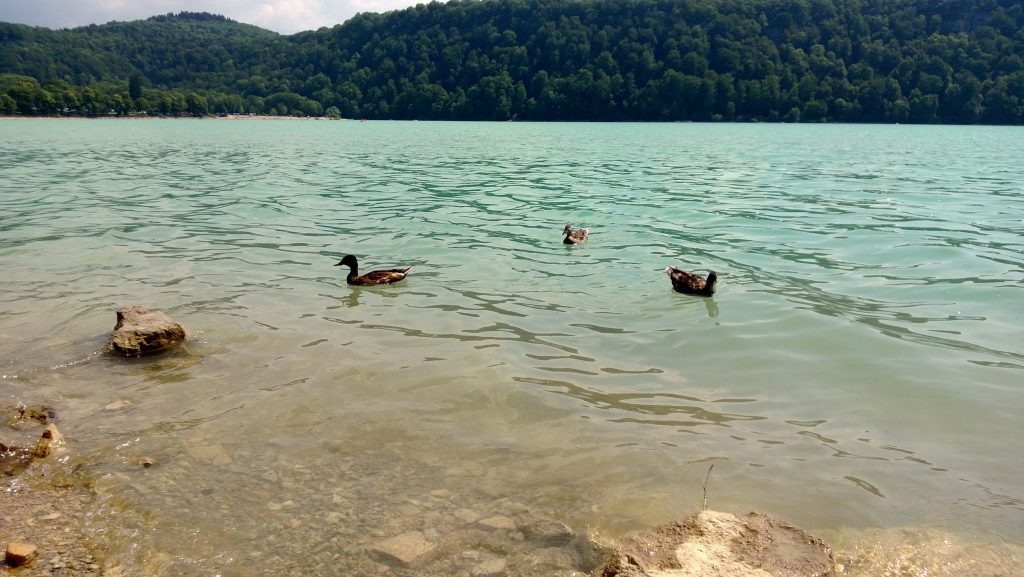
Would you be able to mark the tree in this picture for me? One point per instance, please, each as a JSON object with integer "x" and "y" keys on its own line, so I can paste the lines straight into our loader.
{"x": 930, "y": 61}
{"x": 196, "y": 105}
{"x": 7, "y": 104}
{"x": 135, "y": 86}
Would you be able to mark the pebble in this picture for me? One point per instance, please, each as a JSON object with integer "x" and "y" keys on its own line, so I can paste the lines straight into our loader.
{"x": 467, "y": 515}
{"x": 499, "y": 522}
{"x": 117, "y": 405}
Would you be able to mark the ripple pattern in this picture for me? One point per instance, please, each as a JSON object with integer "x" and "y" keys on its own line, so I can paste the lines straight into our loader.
{"x": 866, "y": 330}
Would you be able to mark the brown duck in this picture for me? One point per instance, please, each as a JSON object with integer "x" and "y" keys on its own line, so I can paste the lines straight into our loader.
{"x": 372, "y": 277}
{"x": 692, "y": 283}
{"x": 574, "y": 236}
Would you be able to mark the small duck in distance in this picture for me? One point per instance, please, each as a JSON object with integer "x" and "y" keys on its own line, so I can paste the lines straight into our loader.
{"x": 691, "y": 283}
{"x": 574, "y": 236}
{"x": 373, "y": 277}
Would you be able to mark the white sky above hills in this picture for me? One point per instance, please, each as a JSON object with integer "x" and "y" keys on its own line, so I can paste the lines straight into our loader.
{"x": 284, "y": 16}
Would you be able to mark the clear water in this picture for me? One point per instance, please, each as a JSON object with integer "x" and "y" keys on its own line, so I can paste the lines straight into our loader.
{"x": 860, "y": 368}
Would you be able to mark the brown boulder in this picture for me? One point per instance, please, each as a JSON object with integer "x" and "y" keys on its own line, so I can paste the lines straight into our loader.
{"x": 140, "y": 331}
{"x": 715, "y": 544}
{"x": 20, "y": 553}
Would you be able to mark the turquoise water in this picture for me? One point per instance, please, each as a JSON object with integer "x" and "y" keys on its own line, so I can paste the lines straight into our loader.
{"x": 859, "y": 369}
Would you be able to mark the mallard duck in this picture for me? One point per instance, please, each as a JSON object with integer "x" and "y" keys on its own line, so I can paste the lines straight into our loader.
{"x": 574, "y": 236}
{"x": 372, "y": 277}
{"x": 692, "y": 283}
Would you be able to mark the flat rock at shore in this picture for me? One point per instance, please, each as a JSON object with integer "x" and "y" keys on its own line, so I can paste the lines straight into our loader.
{"x": 716, "y": 544}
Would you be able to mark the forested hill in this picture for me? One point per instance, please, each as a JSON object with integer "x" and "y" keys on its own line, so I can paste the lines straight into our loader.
{"x": 924, "y": 61}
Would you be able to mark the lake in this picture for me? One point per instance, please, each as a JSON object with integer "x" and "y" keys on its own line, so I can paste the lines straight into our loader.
{"x": 858, "y": 373}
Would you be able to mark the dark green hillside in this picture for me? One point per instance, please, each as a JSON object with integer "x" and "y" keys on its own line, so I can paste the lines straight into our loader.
{"x": 186, "y": 50}
{"x": 923, "y": 61}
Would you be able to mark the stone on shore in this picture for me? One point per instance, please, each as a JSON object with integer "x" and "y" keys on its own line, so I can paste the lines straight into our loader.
{"x": 48, "y": 441}
{"x": 716, "y": 544}
{"x": 20, "y": 553}
{"x": 403, "y": 549}
{"x": 140, "y": 331}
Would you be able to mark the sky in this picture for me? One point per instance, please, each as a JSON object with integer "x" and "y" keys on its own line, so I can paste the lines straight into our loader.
{"x": 284, "y": 16}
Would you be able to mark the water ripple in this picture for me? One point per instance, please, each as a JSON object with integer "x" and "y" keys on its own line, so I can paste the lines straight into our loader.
{"x": 865, "y": 333}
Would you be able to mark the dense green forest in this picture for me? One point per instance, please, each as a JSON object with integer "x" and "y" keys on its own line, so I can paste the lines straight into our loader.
{"x": 914, "y": 61}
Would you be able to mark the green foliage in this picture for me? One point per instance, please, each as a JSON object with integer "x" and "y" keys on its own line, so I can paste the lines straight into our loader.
{"x": 920, "y": 61}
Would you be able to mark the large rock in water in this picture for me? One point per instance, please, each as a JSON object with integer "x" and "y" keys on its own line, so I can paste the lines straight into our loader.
{"x": 715, "y": 544}
{"x": 140, "y": 331}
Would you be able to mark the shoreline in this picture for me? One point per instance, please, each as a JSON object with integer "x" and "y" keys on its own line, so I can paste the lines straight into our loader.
{"x": 51, "y": 506}
{"x": 52, "y": 516}
{"x": 161, "y": 117}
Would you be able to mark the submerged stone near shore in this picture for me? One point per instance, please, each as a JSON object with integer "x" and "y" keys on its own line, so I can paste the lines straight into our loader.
{"x": 14, "y": 458}
{"x": 20, "y": 553}
{"x": 716, "y": 544}
{"x": 20, "y": 417}
{"x": 403, "y": 549}
{"x": 140, "y": 331}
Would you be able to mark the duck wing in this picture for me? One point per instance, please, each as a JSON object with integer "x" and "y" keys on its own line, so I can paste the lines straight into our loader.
{"x": 576, "y": 236}
{"x": 381, "y": 276}
{"x": 685, "y": 281}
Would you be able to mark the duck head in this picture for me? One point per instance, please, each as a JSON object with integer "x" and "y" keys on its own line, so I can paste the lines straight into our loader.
{"x": 712, "y": 283}
{"x": 349, "y": 261}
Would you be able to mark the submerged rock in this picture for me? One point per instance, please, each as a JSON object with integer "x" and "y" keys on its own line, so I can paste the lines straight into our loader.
{"x": 21, "y": 417}
{"x": 14, "y": 459}
{"x": 402, "y": 550}
{"x": 140, "y": 331}
{"x": 716, "y": 544}
{"x": 549, "y": 532}
{"x": 20, "y": 553}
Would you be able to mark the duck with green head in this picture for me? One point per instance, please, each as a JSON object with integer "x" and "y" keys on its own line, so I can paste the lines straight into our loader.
{"x": 375, "y": 277}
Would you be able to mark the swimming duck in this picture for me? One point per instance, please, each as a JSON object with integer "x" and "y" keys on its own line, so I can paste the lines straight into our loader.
{"x": 692, "y": 283}
{"x": 574, "y": 236}
{"x": 373, "y": 277}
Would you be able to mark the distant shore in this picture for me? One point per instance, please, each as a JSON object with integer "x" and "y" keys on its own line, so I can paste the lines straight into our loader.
{"x": 160, "y": 117}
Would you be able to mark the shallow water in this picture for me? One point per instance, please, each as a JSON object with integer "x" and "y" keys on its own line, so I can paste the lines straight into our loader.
{"x": 858, "y": 372}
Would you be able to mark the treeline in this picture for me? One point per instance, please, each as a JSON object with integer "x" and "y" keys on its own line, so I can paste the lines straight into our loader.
{"x": 920, "y": 61}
